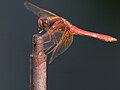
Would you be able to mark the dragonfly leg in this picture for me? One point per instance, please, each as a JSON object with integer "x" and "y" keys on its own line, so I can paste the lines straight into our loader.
{"x": 46, "y": 35}
{"x": 54, "y": 38}
{"x": 50, "y": 49}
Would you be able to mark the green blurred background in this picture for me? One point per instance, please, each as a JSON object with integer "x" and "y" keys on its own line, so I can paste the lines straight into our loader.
{"x": 89, "y": 64}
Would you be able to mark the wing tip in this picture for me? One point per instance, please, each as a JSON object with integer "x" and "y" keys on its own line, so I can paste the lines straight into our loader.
{"x": 26, "y": 2}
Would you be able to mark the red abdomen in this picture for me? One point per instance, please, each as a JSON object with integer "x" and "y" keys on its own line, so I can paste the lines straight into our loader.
{"x": 103, "y": 37}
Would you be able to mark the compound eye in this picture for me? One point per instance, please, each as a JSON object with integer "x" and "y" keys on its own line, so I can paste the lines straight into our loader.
{"x": 45, "y": 20}
{"x": 40, "y": 22}
{"x": 43, "y": 23}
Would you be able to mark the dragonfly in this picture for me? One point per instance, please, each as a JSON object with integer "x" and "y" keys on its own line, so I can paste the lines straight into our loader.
{"x": 59, "y": 32}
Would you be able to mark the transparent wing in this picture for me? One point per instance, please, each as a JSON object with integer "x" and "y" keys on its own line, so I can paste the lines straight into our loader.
{"x": 38, "y": 11}
{"x": 49, "y": 40}
{"x": 58, "y": 34}
{"x": 63, "y": 45}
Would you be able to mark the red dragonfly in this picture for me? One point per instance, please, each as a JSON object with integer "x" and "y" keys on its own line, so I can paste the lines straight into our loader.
{"x": 59, "y": 35}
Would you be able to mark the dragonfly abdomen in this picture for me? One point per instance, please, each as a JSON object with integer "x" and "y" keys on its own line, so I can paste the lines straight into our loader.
{"x": 103, "y": 37}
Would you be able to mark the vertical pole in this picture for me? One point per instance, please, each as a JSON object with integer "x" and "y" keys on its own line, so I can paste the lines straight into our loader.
{"x": 38, "y": 64}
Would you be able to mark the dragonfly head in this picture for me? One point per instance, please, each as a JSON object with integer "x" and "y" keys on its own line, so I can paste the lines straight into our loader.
{"x": 43, "y": 23}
